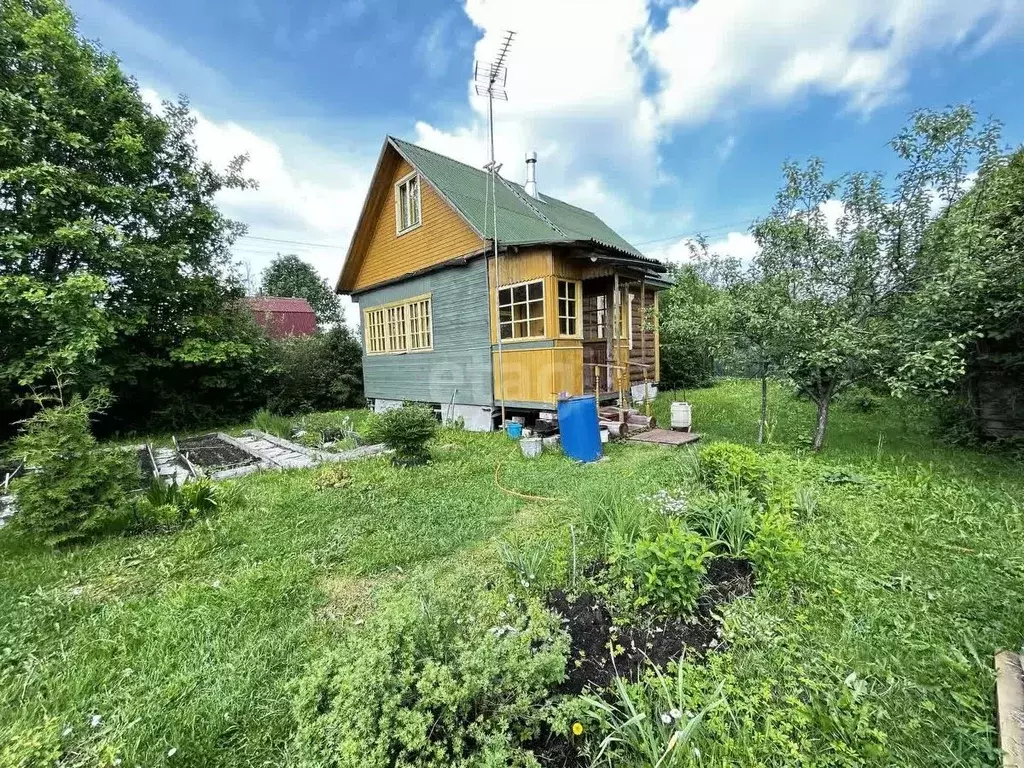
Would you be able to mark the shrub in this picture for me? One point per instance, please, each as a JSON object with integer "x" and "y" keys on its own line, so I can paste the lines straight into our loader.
{"x": 272, "y": 424}
{"x": 775, "y": 547}
{"x": 728, "y": 466}
{"x": 75, "y": 489}
{"x": 727, "y": 519}
{"x": 173, "y": 506}
{"x": 665, "y": 571}
{"x": 406, "y": 431}
{"x": 431, "y": 686}
{"x": 647, "y": 723}
{"x": 317, "y": 373}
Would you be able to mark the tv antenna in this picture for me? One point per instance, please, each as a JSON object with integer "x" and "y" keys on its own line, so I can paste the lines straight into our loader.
{"x": 490, "y": 80}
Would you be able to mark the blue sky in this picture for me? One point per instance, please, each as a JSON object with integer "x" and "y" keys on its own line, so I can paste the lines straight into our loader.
{"x": 666, "y": 118}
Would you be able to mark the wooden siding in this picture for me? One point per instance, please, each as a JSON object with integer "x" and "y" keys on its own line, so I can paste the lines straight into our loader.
{"x": 442, "y": 235}
{"x": 460, "y": 359}
{"x": 539, "y": 375}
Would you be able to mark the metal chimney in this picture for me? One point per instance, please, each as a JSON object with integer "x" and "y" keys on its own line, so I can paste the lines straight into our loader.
{"x": 531, "y": 175}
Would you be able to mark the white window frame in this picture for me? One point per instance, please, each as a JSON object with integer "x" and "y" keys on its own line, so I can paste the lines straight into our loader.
{"x": 577, "y": 304}
{"x": 529, "y": 319}
{"x": 389, "y": 328}
{"x": 417, "y": 207}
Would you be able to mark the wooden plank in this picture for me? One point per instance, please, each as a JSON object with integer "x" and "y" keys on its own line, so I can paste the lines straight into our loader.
{"x": 668, "y": 437}
{"x": 1010, "y": 701}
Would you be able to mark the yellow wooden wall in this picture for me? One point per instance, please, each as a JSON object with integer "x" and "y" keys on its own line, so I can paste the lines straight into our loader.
{"x": 536, "y": 375}
{"x": 443, "y": 235}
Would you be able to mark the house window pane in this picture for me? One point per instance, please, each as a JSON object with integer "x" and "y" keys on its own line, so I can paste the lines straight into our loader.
{"x": 521, "y": 311}
{"x": 407, "y": 209}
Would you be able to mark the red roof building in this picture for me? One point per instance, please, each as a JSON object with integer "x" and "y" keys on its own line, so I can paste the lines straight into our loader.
{"x": 282, "y": 317}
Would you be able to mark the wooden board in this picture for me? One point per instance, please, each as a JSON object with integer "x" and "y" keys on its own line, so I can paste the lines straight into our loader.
{"x": 668, "y": 437}
{"x": 1010, "y": 699}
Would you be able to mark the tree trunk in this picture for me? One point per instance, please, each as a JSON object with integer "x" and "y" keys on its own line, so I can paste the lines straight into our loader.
{"x": 762, "y": 425}
{"x": 819, "y": 433}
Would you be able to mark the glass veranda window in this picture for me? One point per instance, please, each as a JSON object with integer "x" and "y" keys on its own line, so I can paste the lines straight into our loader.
{"x": 521, "y": 311}
{"x": 567, "y": 308}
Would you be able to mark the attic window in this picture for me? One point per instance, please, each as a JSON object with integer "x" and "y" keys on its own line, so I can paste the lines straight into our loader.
{"x": 407, "y": 203}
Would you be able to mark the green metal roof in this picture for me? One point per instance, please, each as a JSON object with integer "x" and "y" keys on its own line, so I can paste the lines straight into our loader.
{"x": 522, "y": 220}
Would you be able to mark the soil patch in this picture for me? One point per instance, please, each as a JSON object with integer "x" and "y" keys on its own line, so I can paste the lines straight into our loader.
{"x": 209, "y": 451}
{"x": 146, "y": 468}
{"x": 600, "y": 649}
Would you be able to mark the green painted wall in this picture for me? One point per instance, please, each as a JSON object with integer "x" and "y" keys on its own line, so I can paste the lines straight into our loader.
{"x": 461, "y": 358}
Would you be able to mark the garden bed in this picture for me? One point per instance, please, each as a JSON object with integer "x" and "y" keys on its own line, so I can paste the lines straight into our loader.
{"x": 651, "y": 638}
{"x": 212, "y": 452}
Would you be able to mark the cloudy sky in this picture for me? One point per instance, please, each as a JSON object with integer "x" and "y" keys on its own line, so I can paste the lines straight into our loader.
{"x": 666, "y": 117}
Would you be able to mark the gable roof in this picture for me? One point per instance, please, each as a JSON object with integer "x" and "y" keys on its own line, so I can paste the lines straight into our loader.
{"x": 279, "y": 304}
{"x": 522, "y": 219}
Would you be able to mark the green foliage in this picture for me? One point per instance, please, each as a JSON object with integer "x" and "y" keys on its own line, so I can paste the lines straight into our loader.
{"x": 432, "y": 685}
{"x": 693, "y": 329}
{"x": 317, "y": 373}
{"x": 173, "y": 506}
{"x": 77, "y": 488}
{"x": 405, "y": 430}
{"x": 648, "y": 723}
{"x": 98, "y": 189}
{"x": 530, "y": 563}
{"x": 726, "y": 519}
{"x": 664, "y": 570}
{"x": 272, "y": 423}
{"x": 962, "y": 325}
{"x": 290, "y": 276}
{"x": 775, "y": 548}
{"x": 845, "y": 279}
{"x": 50, "y": 327}
{"x": 728, "y": 467}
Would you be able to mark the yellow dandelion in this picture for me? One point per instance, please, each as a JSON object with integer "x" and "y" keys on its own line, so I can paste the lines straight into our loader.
{"x": 577, "y": 729}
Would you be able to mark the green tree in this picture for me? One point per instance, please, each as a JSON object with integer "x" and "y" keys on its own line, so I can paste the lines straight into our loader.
{"x": 964, "y": 320}
{"x": 93, "y": 182}
{"x": 694, "y": 318}
{"x": 844, "y": 278}
{"x": 290, "y": 276}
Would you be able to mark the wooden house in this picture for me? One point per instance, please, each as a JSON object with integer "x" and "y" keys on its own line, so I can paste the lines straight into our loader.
{"x": 566, "y": 307}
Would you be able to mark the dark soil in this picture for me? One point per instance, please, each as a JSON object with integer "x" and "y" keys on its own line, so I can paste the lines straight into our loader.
{"x": 146, "y": 468}
{"x": 650, "y": 639}
{"x": 210, "y": 451}
{"x": 654, "y": 638}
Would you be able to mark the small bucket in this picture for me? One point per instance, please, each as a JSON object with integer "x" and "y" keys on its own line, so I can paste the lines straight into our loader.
{"x": 531, "y": 446}
{"x": 514, "y": 430}
{"x": 604, "y": 434}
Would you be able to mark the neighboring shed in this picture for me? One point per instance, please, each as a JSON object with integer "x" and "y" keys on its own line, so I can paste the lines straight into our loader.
{"x": 283, "y": 317}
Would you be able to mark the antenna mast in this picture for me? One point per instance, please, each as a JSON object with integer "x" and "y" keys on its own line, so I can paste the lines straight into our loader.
{"x": 490, "y": 81}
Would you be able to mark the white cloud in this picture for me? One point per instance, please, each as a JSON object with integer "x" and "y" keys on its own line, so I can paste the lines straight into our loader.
{"x": 576, "y": 97}
{"x": 720, "y": 56}
{"x": 737, "y": 245}
{"x": 307, "y": 195}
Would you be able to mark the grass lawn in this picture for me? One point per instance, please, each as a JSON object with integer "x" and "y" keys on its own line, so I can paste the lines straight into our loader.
{"x": 185, "y": 648}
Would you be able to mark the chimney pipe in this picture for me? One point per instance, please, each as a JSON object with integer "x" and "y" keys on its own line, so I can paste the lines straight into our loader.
{"x": 531, "y": 175}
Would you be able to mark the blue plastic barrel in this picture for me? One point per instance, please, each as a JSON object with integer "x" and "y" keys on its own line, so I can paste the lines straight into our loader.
{"x": 514, "y": 430}
{"x": 577, "y": 422}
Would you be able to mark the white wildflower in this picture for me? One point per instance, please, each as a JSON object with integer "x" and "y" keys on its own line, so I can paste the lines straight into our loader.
{"x": 676, "y": 714}
{"x": 172, "y": 751}
{"x": 666, "y": 718}
{"x": 95, "y": 721}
